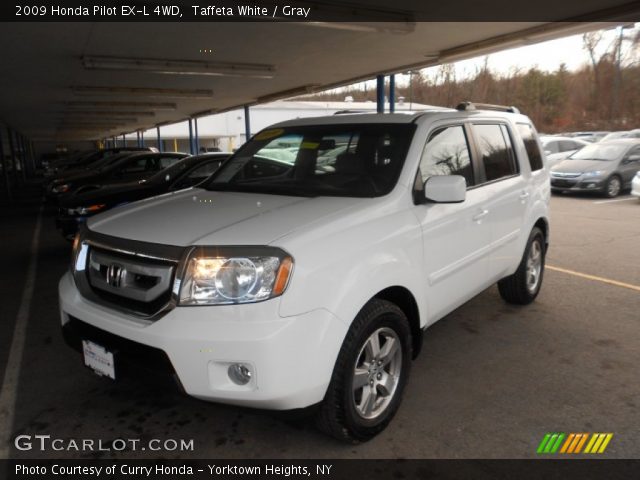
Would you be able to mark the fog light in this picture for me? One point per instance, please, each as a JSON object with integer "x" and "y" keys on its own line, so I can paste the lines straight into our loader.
{"x": 591, "y": 185}
{"x": 239, "y": 373}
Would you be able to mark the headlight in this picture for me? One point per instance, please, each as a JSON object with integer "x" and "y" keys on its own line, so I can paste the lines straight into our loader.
{"x": 234, "y": 275}
{"x": 88, "y": 210}
{"x": 595, "y": 173}
{"x": 79, "y": 251}
{"x": 62, "y": 188}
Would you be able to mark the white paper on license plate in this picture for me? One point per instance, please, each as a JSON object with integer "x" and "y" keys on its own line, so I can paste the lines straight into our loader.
{"x": 98, "y": 359}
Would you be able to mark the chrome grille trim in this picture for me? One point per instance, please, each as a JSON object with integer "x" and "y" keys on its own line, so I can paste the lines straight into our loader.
{"x": 143, "y": 255}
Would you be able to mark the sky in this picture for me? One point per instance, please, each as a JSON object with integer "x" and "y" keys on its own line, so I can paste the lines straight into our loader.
{"x": 546, "y": 56}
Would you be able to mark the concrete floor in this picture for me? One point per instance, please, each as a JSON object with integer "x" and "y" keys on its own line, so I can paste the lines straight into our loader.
{"x": 491, "y": 381}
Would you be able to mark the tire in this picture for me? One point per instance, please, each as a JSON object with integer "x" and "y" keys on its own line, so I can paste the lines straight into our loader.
{"x": 344, "y": 413}
{"x": 520, "y": 288}
{"x": 613, "y": 187}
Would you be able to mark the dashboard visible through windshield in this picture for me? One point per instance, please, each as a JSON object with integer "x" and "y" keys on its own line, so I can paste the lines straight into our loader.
{"x": 327, "y": 160}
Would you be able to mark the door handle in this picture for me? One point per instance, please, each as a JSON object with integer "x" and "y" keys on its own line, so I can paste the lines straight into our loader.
{"x": 524, "y": 196}
{"x": 480, "y": 215}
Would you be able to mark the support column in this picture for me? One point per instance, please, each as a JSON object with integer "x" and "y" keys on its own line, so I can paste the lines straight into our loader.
{"x": 142, "y": 138}
{"x": 5, "y": 171}
{"x": 191, "y": 144}
{"x": 380, "y": 93}
{"x": 196, "y": 137}
{"x": 12, "y": 150}
{"x": 124, "y": 140}
{"x": 158, "y": 139}
{"x": 247, "y": 123}
{"x": 392, "y": 93}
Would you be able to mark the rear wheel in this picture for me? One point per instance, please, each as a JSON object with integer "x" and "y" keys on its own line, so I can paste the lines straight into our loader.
{"x": 613, "y": 186}
{"x": 370, "y": 374}
{"x": 524, "y": 285}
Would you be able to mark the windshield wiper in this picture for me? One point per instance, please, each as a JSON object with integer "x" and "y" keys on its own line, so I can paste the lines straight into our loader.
{"x": 261, "y": 188}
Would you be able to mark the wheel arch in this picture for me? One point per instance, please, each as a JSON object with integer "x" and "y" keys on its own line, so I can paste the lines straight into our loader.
{"x": 404, "y": 299}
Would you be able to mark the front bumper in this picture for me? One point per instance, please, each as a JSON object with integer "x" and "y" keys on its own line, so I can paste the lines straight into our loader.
{"x": 579, "y": 184}
{"x": 291, "y": 358}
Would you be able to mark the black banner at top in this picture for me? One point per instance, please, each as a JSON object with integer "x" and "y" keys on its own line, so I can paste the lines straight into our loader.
{"x": 399, "y": 11}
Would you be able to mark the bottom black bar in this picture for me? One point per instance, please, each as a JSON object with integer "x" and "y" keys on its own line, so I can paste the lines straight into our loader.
{"x": 324, "y": 469}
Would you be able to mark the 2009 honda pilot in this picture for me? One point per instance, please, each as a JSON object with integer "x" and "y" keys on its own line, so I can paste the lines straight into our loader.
{"x": 305, "y": 270}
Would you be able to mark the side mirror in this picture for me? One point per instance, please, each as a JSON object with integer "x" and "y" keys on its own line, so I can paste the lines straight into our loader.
{"x": 445, "y": 189}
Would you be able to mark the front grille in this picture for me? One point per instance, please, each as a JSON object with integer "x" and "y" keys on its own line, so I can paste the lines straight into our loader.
{"x": 131, "y": 276}
{"x": 565, "y": 175}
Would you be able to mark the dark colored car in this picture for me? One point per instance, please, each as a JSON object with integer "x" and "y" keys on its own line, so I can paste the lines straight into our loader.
{"x": 83, "y": 160}
{"x": 604, "y": 167}
{"x": 126, "y": 167}
{"x": 74, "y": 209}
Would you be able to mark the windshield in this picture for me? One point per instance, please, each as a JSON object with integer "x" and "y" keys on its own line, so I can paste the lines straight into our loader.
{"x": 599, "y": 151}
{"x": 334, "y": 160}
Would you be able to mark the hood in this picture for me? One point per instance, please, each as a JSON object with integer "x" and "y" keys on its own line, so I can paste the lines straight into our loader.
{"x": 582, "y": 166}
{"x": 200, "y": 217}
{"x": 111, "y": 194}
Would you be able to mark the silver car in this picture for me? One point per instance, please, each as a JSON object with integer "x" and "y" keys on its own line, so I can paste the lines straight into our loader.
{"x": 604, "y": 167}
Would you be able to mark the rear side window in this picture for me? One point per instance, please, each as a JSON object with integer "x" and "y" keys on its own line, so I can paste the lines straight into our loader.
{"x": 531, "y": 146}
{"x": 496, "y": 152}
{"x": 447, "y": 153}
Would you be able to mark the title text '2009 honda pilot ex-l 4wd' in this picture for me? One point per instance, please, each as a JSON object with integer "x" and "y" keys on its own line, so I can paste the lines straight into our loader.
{"x": 305, "y": 270}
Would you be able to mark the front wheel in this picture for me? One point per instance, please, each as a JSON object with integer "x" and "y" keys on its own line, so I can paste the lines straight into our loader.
{"x": 613, "y": 187}
{"x": 524, "y": 285}
{"x": 370, "y": 374}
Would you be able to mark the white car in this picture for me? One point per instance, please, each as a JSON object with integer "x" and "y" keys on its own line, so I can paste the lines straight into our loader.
{"x": 284, "y": 285}
{"x": 635, "y": 185}
{"x": 558, "y": 148}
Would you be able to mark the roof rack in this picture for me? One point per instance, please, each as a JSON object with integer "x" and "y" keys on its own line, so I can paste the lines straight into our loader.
{"x": 466, "y": 106}
{"x": 347, "y": 112}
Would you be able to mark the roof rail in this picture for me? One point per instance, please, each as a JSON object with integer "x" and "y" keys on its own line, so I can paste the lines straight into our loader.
{"x": 347, "y": 112}
{"x": 466, "y": 106}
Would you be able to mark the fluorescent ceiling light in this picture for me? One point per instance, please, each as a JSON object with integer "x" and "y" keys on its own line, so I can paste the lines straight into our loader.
{"x": 111, "y": 113}
{"x": 142, "y": 92}
{"x": 92, "y": 118}
{"x": 125, "y": 104}
{"x": 367, "y": 27}
{"x": 179, "y": 67}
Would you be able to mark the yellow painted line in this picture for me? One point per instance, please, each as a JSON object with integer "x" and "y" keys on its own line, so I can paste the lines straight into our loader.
{"x": 595, "y": 278}
{"x": 596, "y": 445}
{"x": 567, "y": 443}
{"x": 590, "y": 444}
{"x": 606, "y": 442}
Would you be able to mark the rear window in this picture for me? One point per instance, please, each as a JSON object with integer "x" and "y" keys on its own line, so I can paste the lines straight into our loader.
{"x": 531, "y": 146}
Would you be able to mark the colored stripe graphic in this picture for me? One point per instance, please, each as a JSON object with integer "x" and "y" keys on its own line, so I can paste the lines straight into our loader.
{"x": 555, "y": 442}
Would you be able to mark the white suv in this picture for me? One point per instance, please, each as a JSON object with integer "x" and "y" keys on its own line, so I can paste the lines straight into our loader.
{"x": 305, "y": 270}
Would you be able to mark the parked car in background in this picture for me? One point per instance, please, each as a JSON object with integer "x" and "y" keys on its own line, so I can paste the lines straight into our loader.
{"x": 81, "y": 160}
{"x": 559, "y": 148}
{"x": 604, "y": 167}
{"x": 76, "y": 208}
{"x": 622, "y": 134}
{"x": 590, "y": 137}
{"x": 635, "y": 185}
{"x": 126, "y": 167}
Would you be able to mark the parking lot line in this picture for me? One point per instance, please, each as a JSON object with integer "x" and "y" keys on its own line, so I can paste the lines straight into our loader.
{"x": 9, "y": 388}
{"x": 626, "y": 199}
{"x": 593, "y": 277}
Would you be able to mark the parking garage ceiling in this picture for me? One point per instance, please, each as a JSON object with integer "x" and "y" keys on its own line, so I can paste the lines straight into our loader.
{"x": 79, "y": 81}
